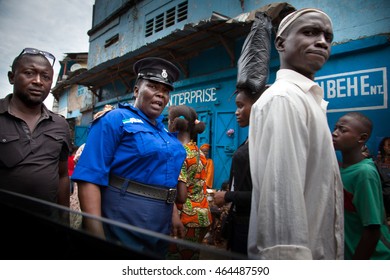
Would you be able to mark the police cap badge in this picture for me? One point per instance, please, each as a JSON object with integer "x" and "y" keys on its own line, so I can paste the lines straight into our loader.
{"x": 158, "y": 70}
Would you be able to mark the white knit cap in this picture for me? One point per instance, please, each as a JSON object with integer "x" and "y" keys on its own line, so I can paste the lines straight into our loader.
{"x": 290, "y": 18}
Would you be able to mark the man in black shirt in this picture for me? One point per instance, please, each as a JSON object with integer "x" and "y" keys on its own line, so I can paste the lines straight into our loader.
{"x": 34, "y": 142}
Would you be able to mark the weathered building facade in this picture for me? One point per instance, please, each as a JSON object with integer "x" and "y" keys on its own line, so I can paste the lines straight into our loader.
{"x": 69, "y": 98}
{"x": 204, "y": 39}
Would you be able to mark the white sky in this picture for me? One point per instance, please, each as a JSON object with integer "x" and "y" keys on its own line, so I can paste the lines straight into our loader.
{"x": 56, "y": 26}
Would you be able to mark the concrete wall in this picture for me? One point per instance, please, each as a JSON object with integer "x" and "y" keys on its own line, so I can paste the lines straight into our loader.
{"x": 351, "y": 19}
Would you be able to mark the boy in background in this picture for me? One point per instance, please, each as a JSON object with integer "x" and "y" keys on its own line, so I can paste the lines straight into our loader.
{"x": 366, "y": 233}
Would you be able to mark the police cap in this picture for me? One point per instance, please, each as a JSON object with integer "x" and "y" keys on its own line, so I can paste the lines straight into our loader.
{"x": 158, "y": 70}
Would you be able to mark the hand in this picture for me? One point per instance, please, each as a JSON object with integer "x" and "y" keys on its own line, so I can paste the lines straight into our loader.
{"x": 94, "y": 227}
{"x": 219, "y": 198}
{"x": 90, "y": 202}
{"x": 178, "y": 230}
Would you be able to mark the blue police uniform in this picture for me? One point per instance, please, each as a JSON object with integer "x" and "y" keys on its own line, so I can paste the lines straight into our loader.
{"x": 125, "y": 143}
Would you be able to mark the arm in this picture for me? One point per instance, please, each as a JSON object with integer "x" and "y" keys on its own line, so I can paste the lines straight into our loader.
{"x": 94, "y": 166}
{"x": 177, "y": 226}
{"x": 210, "y": 173}
{"x": 219, "y": 198}
{"x": 367, "y": 243}
{"x": 239, "y": 198}
{"x": 63, "y": 184}
{"x": 90, "y": 202}
{"x": 367, "y": 201}
{"x": 181, "y": 194}
{"x": 278, "y": 159}
{"x": 78, "y": 153}
{"x": 182, "y": 184}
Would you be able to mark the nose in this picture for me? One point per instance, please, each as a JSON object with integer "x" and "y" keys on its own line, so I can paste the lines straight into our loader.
{"x": 38, "y": 79}
{"x": 322, "y": 41}
{"x": 162, "y": 92}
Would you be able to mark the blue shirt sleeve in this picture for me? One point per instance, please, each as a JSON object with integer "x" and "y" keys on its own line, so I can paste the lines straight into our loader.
{"x": 99, "y": 151}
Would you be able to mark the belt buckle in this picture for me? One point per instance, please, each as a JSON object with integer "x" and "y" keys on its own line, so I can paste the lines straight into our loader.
{"x": 171, "y": 196}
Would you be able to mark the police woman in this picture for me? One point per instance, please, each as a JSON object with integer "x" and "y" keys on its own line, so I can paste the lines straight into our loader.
{"x": 130, "y": 165}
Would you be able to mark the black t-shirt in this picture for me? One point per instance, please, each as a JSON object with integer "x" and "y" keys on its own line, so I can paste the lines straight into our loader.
{"x": 29, "y": 161}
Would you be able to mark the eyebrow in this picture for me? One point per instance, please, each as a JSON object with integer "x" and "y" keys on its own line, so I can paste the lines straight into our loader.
{"x": 316, "y": 26}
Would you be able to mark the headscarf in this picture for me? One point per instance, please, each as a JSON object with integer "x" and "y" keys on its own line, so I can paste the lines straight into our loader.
{"x": 205, "y": 146}
{"x": 291, "y": 18}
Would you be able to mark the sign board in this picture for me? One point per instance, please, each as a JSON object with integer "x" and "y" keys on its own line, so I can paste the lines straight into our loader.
{"x": 191, "y": 97}
{"x": 355, "y": 91}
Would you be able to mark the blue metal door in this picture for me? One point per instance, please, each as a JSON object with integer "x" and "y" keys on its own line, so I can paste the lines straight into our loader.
{"x": 225, "y": 143}
{"x": 80, "y": 135}
{"x": 205, "y": 136}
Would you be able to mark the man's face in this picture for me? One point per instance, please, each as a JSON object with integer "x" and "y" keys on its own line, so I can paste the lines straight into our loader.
{"x": 305, "y": 45}
{"x": 347, "y": 134}
{"x": 32, "y": 79}
{"x": 151, "y": 98}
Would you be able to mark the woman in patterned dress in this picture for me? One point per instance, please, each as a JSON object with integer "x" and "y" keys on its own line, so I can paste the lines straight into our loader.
{"x": 192, "y": 219}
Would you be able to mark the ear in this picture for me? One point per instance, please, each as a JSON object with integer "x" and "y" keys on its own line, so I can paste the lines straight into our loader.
{"x": 11, "y": 76}
{"x": 279, "y": 43}
{"x": 363, "y": 138}
{"x": 136, "y": 91}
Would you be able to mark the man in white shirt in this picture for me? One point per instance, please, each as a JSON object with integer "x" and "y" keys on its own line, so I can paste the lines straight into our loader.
{"x": 297, "y": 199}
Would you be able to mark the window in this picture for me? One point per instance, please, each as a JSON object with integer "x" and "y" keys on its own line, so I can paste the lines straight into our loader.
{"x": 111, "y": 41}
{"x": 170, "y": 17}
{"x": 81, "y": 90}
{"x": 182, "y": 10}
{"x": 166, "y": 19}
{"x": 159, "y": 23}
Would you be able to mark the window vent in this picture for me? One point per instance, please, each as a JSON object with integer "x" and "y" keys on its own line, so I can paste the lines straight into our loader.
{"x": 170, "y": 17}
{"x": 111, "y": 41}
{"x": 166, "y": 19}
{"x": 159, "y": 23}
{"x": 182, "y": 10}
{"x": 149, "y": 27}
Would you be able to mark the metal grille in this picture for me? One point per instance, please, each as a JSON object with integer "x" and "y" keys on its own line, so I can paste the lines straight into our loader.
{"x": 167, "y": 19}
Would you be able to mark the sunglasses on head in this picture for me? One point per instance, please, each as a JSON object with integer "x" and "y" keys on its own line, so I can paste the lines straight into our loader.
{"x": 51, "y": 58}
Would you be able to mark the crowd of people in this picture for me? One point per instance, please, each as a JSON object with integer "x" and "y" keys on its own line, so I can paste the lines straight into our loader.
{"x": 288, "y": 196}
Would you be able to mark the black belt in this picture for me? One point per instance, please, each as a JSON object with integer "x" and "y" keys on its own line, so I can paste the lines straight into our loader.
{"x": 168, "y": 195}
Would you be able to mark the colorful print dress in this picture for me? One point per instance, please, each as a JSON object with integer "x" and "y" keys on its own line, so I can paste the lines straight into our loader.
{"x": 195, "y": 212}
